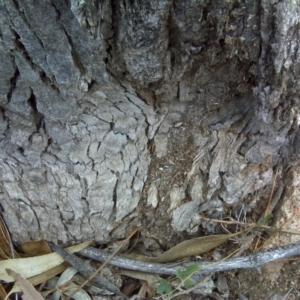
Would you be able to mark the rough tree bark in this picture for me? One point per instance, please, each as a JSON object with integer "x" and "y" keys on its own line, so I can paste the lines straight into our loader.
{"x": 123, "y": 113}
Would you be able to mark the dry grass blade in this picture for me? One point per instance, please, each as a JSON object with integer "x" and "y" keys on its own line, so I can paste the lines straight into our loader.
{"x": 250, "y": 226}
{"x": 228, "y": 222}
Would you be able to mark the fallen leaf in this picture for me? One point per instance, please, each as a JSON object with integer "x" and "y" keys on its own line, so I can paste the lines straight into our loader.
{"x": 32, "y": 266}
{"x": 186, "y": 273}
{"x": 3, "y": 293}
{"x": 164, "y": 287}
{"x": 188, "y": 248}
{"x": 34, "y": 248}
{"x": 5, "y": 244}
{"x": 79, "y": 295}
{"x": 64, "y": 277}
{"x": 30, "y": 293}
{"x": 43, "y": 277}
{"x": 147, "y": 290}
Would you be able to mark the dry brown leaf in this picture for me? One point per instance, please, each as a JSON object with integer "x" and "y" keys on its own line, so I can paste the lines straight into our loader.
{"x": 30, "y": 293}
{"x": 32, "y": 266}
{"x": 3, "y": 255}
{"x": 146, "y": 290}
{"x": 152, "y": 279}
{"x": 188, "y": 248}
{"x": 4, "y": 243}
{"x": 149, "y": 281}
{"x": 34, "y": 248}
{"x": 3, "y": 293}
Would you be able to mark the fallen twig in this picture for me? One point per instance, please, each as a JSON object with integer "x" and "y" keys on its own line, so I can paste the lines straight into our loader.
{"x": 252, "y": 226}
{"x": 251, "y": 261}
{"x": 87, "y": 270}
{"x": 104, "y": 264}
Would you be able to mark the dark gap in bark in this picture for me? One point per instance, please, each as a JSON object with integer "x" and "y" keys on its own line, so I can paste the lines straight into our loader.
{"x": 109, "y": 52}
{"x": 91, "y": 84}
{"x": 151, "y": 145}
{"x": 112, "y": 51}
{"x": 133, "y": 178}
{"x": 38, "y": 117}
{"x": 21, "y": 150}
{"x": 84, "y": 190}
{"x": 42, "y": 75}
{"x": 114, "y": 198}
{"x": 75, "y": 56}
{"x": 58, "y": 14}
{"x": 20, "y": 45}
{"x": 13, "y": 82}
{"x": 205, "y": 12}
{"x": 48, "y": 81}
{"x": 142, "y": 98}
{"x": 16, "y": 4}
{"x": 2, "y": 110}
{"x": 222, "y": 43}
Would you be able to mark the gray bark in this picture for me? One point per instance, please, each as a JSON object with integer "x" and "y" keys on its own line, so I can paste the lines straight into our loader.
{"x": 87, "y": 88}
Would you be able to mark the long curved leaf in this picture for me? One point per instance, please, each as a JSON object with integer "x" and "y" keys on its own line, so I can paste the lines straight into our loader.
{"x": 32, "y": 266}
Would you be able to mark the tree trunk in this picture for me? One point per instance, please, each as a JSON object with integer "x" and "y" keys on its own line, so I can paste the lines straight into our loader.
{"x": 116, "y": 114}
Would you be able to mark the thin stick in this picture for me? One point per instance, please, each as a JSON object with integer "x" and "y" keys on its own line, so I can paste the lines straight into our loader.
{"x": 104, "y": 264}
{"x": 256, "y": 244}
{"x": 86, "y": 270}
{"x": 116, "y": 251}
{"x": 134, "y": 244}
{"x": 227, "y": 222}
{"x": 253, "y": 225}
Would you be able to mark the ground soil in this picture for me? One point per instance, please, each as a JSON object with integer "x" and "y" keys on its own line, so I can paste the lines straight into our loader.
{"x": 271, "y": 284}
{"x": 275, "y": 281}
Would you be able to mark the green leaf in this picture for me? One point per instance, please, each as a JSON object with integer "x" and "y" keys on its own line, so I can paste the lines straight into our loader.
{"x": 264, "y": 221}
{"x": 192, "y": 269}
{"x": 189, "y": 282}
{"x": 183, "y": 274}
{"x": 164, "y": 287}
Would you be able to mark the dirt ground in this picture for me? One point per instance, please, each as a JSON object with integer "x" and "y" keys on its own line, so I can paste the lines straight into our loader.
{"x": 278, "y": 280}
{"x": 275, "y": 281}
{"x": 271, "y": 284}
